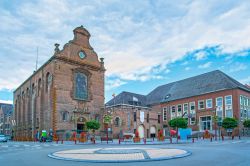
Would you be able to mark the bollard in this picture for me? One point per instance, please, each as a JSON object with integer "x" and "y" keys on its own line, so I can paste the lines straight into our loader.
{"x": 75, "y": 141}
{"x": 239, "y": 136}
{"x": 57, "y": 141}
{"x": 62, "y": 141}
{"x": 94, "y": 141}
{"x": 119, "y": 141}
{"x": 211, "y": 139}
{"x": 222, "y": 137}
{"x": 232, "y": 137}
{"x": 193, "y": 140}
{"x": 145, "y": 140}
{"x": 170, "y": 139}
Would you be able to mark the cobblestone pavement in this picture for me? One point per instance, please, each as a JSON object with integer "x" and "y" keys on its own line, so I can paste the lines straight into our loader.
{"x": 119, "y": 154}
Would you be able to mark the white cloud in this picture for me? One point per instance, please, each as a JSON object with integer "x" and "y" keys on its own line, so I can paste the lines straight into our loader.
{"x": 237, "y": 67}
{"x": 112, "y": 84}
{"x": 132, "y": 40}
{"x": 200, "y": 55}
{"x": 205, "y": 65}
{"x": 187, "y": 68}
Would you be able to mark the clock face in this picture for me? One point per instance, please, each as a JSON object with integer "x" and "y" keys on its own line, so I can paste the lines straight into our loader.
{"x": 82, "y": 54}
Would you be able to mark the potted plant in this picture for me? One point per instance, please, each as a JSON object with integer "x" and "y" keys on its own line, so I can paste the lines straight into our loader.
{"x": 137, "y": 137}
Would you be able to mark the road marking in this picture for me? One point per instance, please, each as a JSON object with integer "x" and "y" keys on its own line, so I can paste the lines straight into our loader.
{"x": 26, "y": 145}
{"x": 16, "y": 146}
{"x": 235, "y": 142}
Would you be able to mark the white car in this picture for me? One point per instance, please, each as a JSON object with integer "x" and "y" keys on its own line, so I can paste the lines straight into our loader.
{"x": 3, "y": 138}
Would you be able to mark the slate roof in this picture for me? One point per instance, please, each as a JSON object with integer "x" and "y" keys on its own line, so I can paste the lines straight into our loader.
{"x": 193, "y": 86}
{"x": 6, "y": 108}
{"x": 127, "y": 98}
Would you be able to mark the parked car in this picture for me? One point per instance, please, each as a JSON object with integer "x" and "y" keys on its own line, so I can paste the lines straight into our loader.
{"x": 3, "y": 138}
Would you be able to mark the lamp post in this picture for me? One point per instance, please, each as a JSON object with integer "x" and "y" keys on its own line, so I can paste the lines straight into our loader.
{"x": 215, "y": 119}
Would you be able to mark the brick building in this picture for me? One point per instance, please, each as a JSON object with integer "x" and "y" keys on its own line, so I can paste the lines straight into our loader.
{"x": 198, "y": 99}
{"x": 64, "y": 93}
{"x": 130, "y": 113}
{"x": 6, "y": 118}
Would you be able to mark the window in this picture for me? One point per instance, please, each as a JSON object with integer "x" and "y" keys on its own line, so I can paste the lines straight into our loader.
{"x": 219, "y": 109}
{"x": 117, "y": 122}
{"x": 172, "y": 112}
{"x": 159, "y": 118}
{"x": 134, "y": 116}
{"x": 209, "y": 103}
{"x": 173, "y": 109}
{"x": 81, "y": 86}
{"x": 65, "y": 116}
{"x": 164, "y": 113}
{"x": 205, "y": 123}
{"x": 229, "y": 113}
{"x": 147, "y": 117}
{"x": 219, "y": 102}
{"x": 228, "y": 100}
{"x": 185, "y": 108}
{"x": 179, "y": 110}
{"x": 192, "y": 121}
{"x": 192, "y": 107}
{"x": 201, "y": 104}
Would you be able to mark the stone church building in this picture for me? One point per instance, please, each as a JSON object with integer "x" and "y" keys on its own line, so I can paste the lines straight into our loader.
{"x": 64, "y": 93}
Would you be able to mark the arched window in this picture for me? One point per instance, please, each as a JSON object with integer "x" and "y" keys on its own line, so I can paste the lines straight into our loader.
{"x": 48, "y": 81}
{"x": 65, "y": 116}
{"x": 117, "y": 122}
{"x": 81, "y": 86}
{"x": 39, "y": 86}
{"x": 33, "y": 88}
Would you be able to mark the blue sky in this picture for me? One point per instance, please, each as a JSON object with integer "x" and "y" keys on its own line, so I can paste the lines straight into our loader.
{"x": 145, "y": 43}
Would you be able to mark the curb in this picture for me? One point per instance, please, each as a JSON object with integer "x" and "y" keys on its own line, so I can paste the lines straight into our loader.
{"x": 188, "y": 153}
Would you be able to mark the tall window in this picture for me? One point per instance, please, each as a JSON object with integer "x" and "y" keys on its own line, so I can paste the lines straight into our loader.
{"x": 179, "y": 110}
{"x": 164, "y": 113}
{"x": 159, "y": 118}
{"x": 173, "y": 112}
{"x": 147, "y": 117}
{"x": 228, "y": 107}
{"x": 81, "y": 88}
{"x": 219, "y": 108}
{"x": 135, "y": 117}
{"x": 185, "y": 109}
{"x": 192, "y": 113}
{"x": 201, "y": 104}
{"x": 209, "y": 103}
{"x": 65, "y": 116}
{"x": 228, "y": 100}
{"x": 117, "y": 121}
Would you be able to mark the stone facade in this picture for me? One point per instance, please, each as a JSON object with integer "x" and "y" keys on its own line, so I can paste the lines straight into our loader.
{"x": 129, "y": 118}
{"x": 48, "y": 99}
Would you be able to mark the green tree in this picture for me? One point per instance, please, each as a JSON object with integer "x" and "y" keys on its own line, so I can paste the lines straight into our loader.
{"x": 246, "y": 123}
{"x": 107, "y": 119}
{"x": 229, "y": 123}
{"x": 178, "y": 123}
{"x": 93, "y": 125}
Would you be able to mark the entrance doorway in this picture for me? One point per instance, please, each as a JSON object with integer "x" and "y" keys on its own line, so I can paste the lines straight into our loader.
{"x": 80, "y": 127}
{"x": 152, "y": 132}
{"x": 141, "y": 131}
